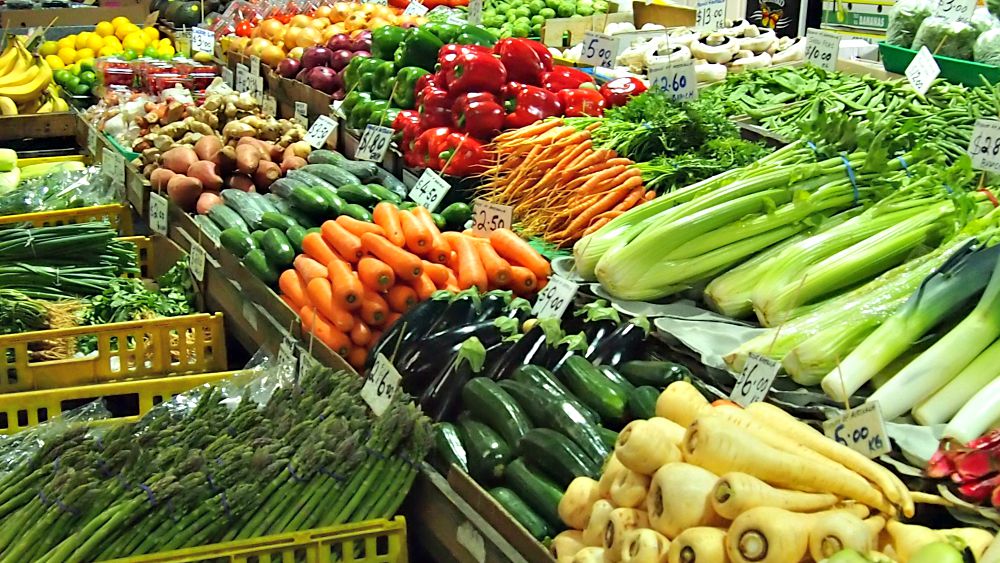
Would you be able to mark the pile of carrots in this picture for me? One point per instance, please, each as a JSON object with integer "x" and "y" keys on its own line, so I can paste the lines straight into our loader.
{"x": 560, "y": 187}
{"x": 354, "y": 278}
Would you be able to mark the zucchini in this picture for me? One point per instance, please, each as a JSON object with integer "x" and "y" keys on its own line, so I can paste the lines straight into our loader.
{"x": 488, "y": 452}
{"x": 541, "y": 378}
{"x": 258, "y": 237}
{"x": 361, "y": 169}
{"x": 333, "y": 174}
{"x": 237, "y": 242}
{"x": 240, "y": 202}
{"x": 520, "y": 511}
{"x": 556, "y": 456}
{"x": 308, "y": 201}
{"x": 226, "y": 218}
{"x": 449, "y": 448}
{"x": 384, "y": 194}
{"x": 615, "y": 377}
{"x": 256, "y": 262}
{"x": 593, "y": 388}
{"x": 356, "y": 193}
{"x": 295, "y": 235}
{"x": 208, "y": 226}
{"x": 642, "y": 401}
{"x": 392, "y": 183}
{"x": 495, "y": 407}
{"x": 282, "y": 187}
{"x": 541, "y": 494}
{"x": 608, "y": 436}
{"x": 334, "y": 203}
{"x": 357, "y": 212}
{"x": 657, "y": 374}
{"x": 276, "y": 247}
{"x": 278, "y": 221}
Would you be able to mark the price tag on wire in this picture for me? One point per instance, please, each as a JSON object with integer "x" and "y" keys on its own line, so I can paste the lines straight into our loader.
{"x": 243, "y": 82}
{"x": 488, "y": 217}
{"x": 984, "y": 147}
{"x": 301, "y": 114}
{"x": 429, "y": 190}
{"x": 227, "y": 77}
{"x": 288, "y": 357}
{"x": 158, "y": 210}
{"x": 113, "y": 166}
{"x": 475, "y": 12}
{"x": 415, "y": 8}
{"x": 254, "y": 65}
{"x": 269, "y": 105}
{"x": 202, "y": 40}
{"x": 678, "y": 80}
{"x": 922, "y": 71}
{"x": 373, "y": 144}
{"x": 93, "y": 135}
{"x": 755, "y": 380}
{"x": 822, "y": 48}
{"x": 196, "y": 261}
{"x": 953, "y": 10}
{"x": 380, "y": 385}
{"x": 861, "y": 429}
{"x": 599, "y": 49}
{"x": 320, "y": 131}
{"x": 709, "y": 14}
{"x": 554, "y": 298}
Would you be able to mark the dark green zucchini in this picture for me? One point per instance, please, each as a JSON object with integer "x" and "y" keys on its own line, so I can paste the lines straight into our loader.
{"x": 487, "y": 451}
{"x": 594, "y": 389}
{"x": 642, "y": 401}
{"x": 608, "y": 436}
{"x": 238, "y": 242}
{"x": 615, "y": 377}
{"x": 277, "y": 249}
{"x": 654, "y": 373}
{"x": 520, "y": 511}
{"x": 333, "y": 174}
{"x": 557, "y": 456}
{"x": 256, "y": 262}
{"x": 544, "y": 380}
{"x": 541, "y": 494}
{"x": 448, "y": 445}
{"x": 357, "y": 212}
{"x": 226, "y": 218}
{"x": 496, "y": 408}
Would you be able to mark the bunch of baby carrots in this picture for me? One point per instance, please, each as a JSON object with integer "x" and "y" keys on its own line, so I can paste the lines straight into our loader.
{"x": 354, "y": 278}
{"x": 561, "y": 188}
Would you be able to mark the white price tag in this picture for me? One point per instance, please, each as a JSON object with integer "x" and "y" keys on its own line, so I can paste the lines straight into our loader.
{"x": 488, "y": 217}
{"x": 922, "y": 71}
{"x": 861, "y": 429}
{"x": 113, "y": 166}
{"x": 475, "y": 12}
{"x": 710, "y": 15}
{"x": 430, "y": 189}
{"x": 196, "y": 261}
{"x": 254, "y": 65}
{"x": 227, "y": 77}
{"x": 755, "y": 381}
{"x": 984, "y": 147}
{"x": 953, "y": 10}
{"x": 373, "y": 144}
{"x": 269, "y": 105}
{"x": 678, "y": 80}
{"x": 258, "y": 86}
{"x": 599, "y": 49}
{"x": 415, "y": 8}
{"x": 202, "y": 40}
{"x": 287, "y": 355}
{"x": 301, "y": 114}
{"x": 554, "y": 298}
{"x": 92, "y": 141}
{"x": 378, "y": 2}
{"x": 158, "y": 210}
{"x": 380, "y": 385}
{"x": 822, "y": 48}
{"x": 320, "y": 131}
{"x": 243, "y": 82}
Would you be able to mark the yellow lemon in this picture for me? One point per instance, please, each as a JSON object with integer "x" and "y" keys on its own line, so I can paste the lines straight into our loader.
{"x": 126, "y": 30}
{"x": 68, "y": 42}
{"x": 48, "y": 48}
{"x": 108, "y": 51}
{"x": 165, "y": 42}
{"x": 84, "y": 54}
{"x": 119, "y": 21}
{"x": 67, "y": 55}
{"x": 166, "y": 51}
{"x": 112, "y": 41}
{"x": 81, "y": 39}
{"x": 95, "y": 42}
{"x": 135, "y": 41}
{"x": 54, "y": 62}
{"x": 105, "y": 29}
{"x": 152, "y": 34}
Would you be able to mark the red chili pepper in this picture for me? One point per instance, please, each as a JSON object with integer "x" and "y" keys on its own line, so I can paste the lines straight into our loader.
{"x": 565, "y": 78}
{"x": 478, "y": 115}
{"x": 475, "y": 72}
{"x": 434, "y": 105}
{"x": 527, "y": 104}
{"x": 521, "y": 60}
{"x": 580, "y": 102}
{"x": 448, "y": 54}
{"x": 620, "y": 90}
{"x": 461, "y": 155}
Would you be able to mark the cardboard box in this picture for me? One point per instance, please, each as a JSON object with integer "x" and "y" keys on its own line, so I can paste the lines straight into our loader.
{"x": 863, "y": 15}
{"x": 135, "y": 10}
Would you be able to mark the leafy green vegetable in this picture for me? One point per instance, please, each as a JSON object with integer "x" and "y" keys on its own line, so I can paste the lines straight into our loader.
{"x": 905, "y": 18}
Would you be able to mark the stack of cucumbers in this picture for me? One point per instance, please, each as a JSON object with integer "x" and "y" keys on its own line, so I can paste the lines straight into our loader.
{"x": 266, "y": 231}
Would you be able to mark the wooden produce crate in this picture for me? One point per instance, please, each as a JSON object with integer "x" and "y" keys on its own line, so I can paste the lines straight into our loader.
{"x": 554, "y": 31}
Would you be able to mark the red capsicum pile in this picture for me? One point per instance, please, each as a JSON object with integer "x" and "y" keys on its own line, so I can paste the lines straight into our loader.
{"x": 479, "y": 91}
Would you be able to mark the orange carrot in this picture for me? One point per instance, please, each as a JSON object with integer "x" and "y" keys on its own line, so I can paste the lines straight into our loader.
{"x": 497, "y": 269}
{"x": 375, "y": 274}
{"x": 343, "y": 241}
{"x": 360, "y": 334}
{"x": 321, "y": 293}
{"x": 522, "y": 280}
{"x": 423, "y": 286}
{"x": 330, "y": 335}
{"x": 440, "y": 250}
{"x": 347, "y": 288}
{"x": 437, "y": 272}
{"x": 307, "y": 314}
{"x": 452, "y": 283}
{"x": 309, "y": 268}
{"x": 418, "y": 238}
{"x": 406, "y": 265}
{"x": 386, "y": 215}
{"x": 358, "y": 228}
{"x": 373, "y": 308}
{"x": 518, "y": 252}
{"x": 291, "y": 304}
{"x": 470, "y": 268}
{"x": 356, "y": 357}
{"x": 293, "y": 286}
{"x": 391, "y": 318}
{"x": 401, "y": 298}
{"x": 316, "y": 248}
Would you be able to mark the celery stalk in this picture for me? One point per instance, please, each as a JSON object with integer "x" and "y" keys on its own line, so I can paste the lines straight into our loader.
{"x": 978, "y": 415}
{"x": 941, "y": 406}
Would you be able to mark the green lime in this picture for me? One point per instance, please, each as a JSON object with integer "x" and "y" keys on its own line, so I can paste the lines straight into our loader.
{"x": 88, "y": 77}
{"x": 150, "y": 52}
{"x": 87, "y": 65}
{"x": 80, "y": 89}
{"x": 130, "y": 55}
{"x": 61, "y": 76}
{"x": 71, "y": 82}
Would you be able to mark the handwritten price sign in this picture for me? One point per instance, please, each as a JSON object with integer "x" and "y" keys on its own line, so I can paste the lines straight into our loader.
{"x": 373, "y": 144}
{"x": 196, "y": 261}
{"x": 984, "y": 147}
{"x": 381, "y": 385}
{"x": 822, "y": 49}
{"x": 861, "y": 429}
{"x": 922, "y": 71}
{"x": 709, "y": 15}
{"x": 755, "y": 380}
{"x": 554, "y": 298}
{"x": 599, "y": 49}
{"x": 320, "y": 131}
{"x": 227, "y": 77}
{"x": 488, "y": 217}
{"x": 475, "y": 12}
{"x": 430, "y": 189}
{"x": 954, "y": 10}
{"x": 677, "y": 80}
{"x": 158, "y": 210}
{"x": 202, "y": 40}
{"x": 415, "y": 8}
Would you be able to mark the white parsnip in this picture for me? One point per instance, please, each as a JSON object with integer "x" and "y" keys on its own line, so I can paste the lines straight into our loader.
{"x": 577, "y": 502}
{"x": 836, "y": 531}
{"x": 680, "y": 498}
{"x": 643, "y": 545}
{"x": 566, "y": 545}
{"x": 600, "y": 514}
{"x": 737, "y": 492}
{"x": 620, "y": 522}
{"x": 645, "y": 445}
{"x": 699, "y": 545}
{"x": 629, "y": 489}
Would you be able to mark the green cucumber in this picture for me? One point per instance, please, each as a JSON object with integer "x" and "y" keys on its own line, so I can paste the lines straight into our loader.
{"x": 226, "y": 218}
{"x": 615, "y": 377}
{"x": 310, "y": 180}
{"x": 439, "y": 221}
{"x": 208, "y": 226}
{"x": 240, "y": 202}
{"x": 277, "y": 221}
{"x": 593, "y": 388}
{"x": 308, "y": 201}
{"x": 556, "y": 456}
{"x": 543, "y": 379}
{"x": 295, "y": 235}
{"x": 391, "y": 183}
{"x": 608, "y": 436}
{"x": 333, "y": 174}
{"x": 384, "y": 194}
{"x": 520, "y": 511}
{"x": 657, "y": 374}
{"x": 258, "y": 237}
{"x": 448, "y": 446}
{"x": 495, "y": 407}
{"x": 237, "y": 242}
{"x": 642, "y": 401}
{"x": 361, "y": 169}
{"x": 278, "y": 250}
{"x": 408, "y": 205}
{"x": 334, "y": 203}
{"x": 282, "y": 187}
{"x": 356, "y": 193}
{"x": 357, "y": 212}
{"x": 280, "y": 204}
{"x": 301, "y": 218}
{"x": 456, "y": 215}
{"x": 541, "y": 494}
{"x": 488, "y": 452}
{"x": 256, "y": 262}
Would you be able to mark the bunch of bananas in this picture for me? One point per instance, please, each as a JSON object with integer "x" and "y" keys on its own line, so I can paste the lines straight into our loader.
{"x": 26, "y": 82}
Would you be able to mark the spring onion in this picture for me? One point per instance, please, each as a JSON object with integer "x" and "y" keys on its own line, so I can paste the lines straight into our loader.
{"x": 978, "y": 415}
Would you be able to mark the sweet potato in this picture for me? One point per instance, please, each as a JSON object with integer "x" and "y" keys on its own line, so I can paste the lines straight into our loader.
{"x": 247, "y": 158}
{"x": 240, "y": 182}
{"x": 206, "y": 201}
{"x": 208, "y": 147}
{"x": 179, "y": 159}
{"x": 267, "y": 172}
{"x": 204, "y": 170}
{"x": 160, "y": 177}
{"x": 225, "y": 161}
{"x": 264, "y": 148}
{"x": 300, "y": 149}
{"x": 184, "y": 191}
{"x": 292, "y": 162}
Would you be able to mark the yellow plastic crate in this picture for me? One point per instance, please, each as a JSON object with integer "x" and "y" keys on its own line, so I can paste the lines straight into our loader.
{"x": 131, "y": 399}
{"x": 135, "y": 349}
{"x": 144, "y": 253}
{"x": 373, "y": 541}
{"x": 22, "y": 162}
{"x": 117, "y": 215}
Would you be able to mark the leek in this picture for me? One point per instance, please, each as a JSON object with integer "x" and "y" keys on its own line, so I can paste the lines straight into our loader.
{"x": 977, "y": 416}
{"x": 941, "y": 406}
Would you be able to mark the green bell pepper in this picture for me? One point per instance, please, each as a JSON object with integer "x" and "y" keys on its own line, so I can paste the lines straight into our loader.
{"x": 351, "y": 100}
{"x": 385, "y": 41}
{"x": 475, "y": 35}
{"x": 446, "y": 32}
{"x": 383, "y": 117}
{"x": 405, "y": 93}
{"x": 383, "y": 78}
{"x": 358, "y": 118}
{"x": 352, "y": 73}
{"x": 420, "y": 48}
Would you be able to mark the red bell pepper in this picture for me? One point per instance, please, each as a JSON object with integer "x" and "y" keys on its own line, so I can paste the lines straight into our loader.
{"x": 434, "y": 105}
{"x": 527, "y": 104}
{"x": 461, "y": 155}
{"x": 565, "y": 78}
{"x": 428, "y": 147}
{"x": 450, "y": 52}
{"x": 478, "y": 115}
{"x": 581, "y": 102}
{"x": 429, "y": 79}
{"x": 405, "y": 117}
{"x": 620, "y": 90}
{"x": 475, "y": 72}
{"x": 522, "y": 62}
{"x": 543, "y": 53}
{"x": 407, "y": 126}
